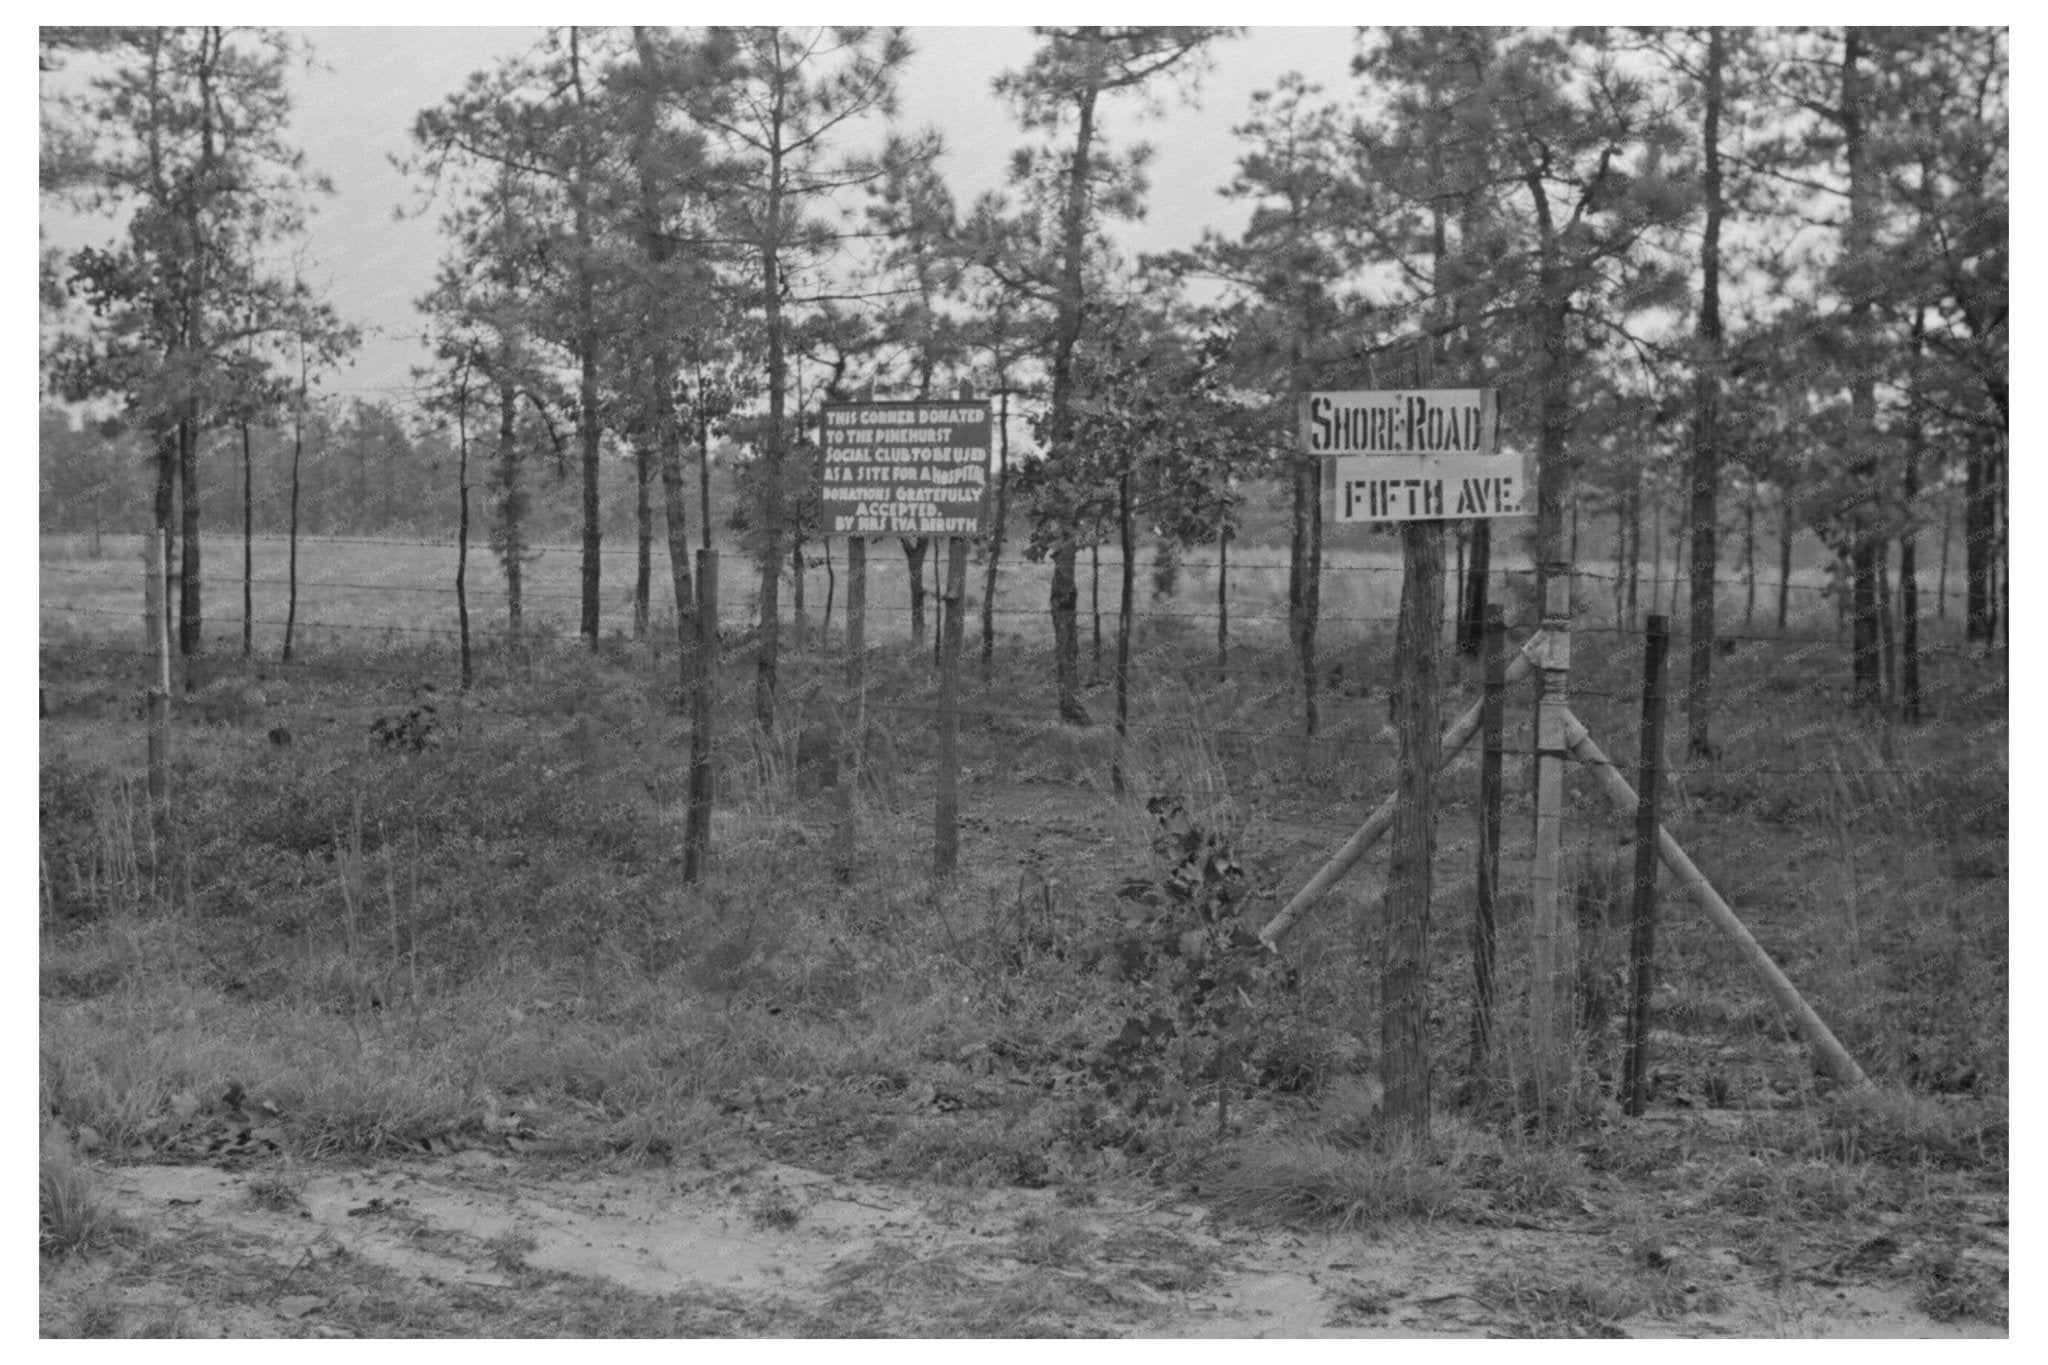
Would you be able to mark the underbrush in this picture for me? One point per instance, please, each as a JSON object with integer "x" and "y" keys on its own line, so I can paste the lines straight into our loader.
{"x": 469, "y": 926}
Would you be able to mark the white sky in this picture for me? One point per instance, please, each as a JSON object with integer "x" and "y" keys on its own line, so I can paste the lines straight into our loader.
{"x": 354, "y": 110}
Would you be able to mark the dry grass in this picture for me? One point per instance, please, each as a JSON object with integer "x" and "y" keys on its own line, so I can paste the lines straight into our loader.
{"x": 488, "y": 940}
{"x": 75, "y": 1219}
{"x": 1305, "y": 1181}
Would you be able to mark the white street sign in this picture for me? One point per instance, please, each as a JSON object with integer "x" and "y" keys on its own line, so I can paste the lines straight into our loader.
{"x": 1412, "y": 455}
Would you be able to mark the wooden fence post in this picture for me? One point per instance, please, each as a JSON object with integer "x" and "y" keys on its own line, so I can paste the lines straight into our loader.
{"x": 1404, "y": 965}
{"x": 853, "y": 722}
{"x": 1642, "y": 934}
{"x": 1550, "y": 936}
{"x": 946, "y": 809}
{"x": 1494, "y": 647}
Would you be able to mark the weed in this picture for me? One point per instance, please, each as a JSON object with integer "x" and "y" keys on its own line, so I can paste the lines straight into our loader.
{"x": 99, "y": 1321}
{"x": 1205, "y": 981}
{"x": 1527, "y": 1177}
{"x": 776, "y": 1210}
{"x": 508, "y": 1250}
{"x": 1950, "y": 1287}
{"x": 417, "y": 729}
{"x": 1053, "y": 1239}
{"x": 75, "y": 1219}
{"x": 1312, "y": 1182}
{"x": 1898, "y": 1126}
{"x": 389, "y": 941}
{"x": 276, "y": 1192}
{"x": 1555, "y": 1303}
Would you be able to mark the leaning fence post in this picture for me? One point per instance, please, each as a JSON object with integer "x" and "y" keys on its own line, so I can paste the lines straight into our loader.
{"x": 1642, "y": 934}
{"x": 1694, "y": 883}
{"x": 1455, "y": 737}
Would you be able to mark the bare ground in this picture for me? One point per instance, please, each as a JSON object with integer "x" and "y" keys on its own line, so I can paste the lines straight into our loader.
{"x": 482, "y": 1243}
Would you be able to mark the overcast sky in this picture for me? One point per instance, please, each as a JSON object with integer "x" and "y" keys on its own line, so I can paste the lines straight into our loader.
{"x": 355, "y": 108}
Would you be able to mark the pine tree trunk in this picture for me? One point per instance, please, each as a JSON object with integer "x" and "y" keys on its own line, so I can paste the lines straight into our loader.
{"x": 189, "y": 634}
{"x": 768, "y": 646}
{"x": 586, "y": 351}
{"x": 1882, "y": 554}
{"x": 995, "y": 542}
{"x": 1909, "y": 568}
{"x": 799, "y": 626}
{"x": 1223, "y": 606}
{"x": 166, "y": 512}
{"x": 1656, "y": 554}
{"x": 1948, "y": 521}
{"x": 1785, "y": 531}
{"x": 248, "y": 547}
{"x": 1635, "y": 552}
{"x": 1749, "y": 557}
{"x": 675, "y": 503}
{"x": 643, "y": 524}
{"x": 291, "y": 578}
{"x": 1978, "y": 532}
{"x": 664, "y": 427}
{"x": 2001, "y": 523}
{"x": 462, "y": 524}
{"x": 1704, "y": 518}
{"x": 1066, "y": 629}
{"x": 831, "y": 591}
{"x": 511, "y": 510}
{"x": 1478, "y": 568}
{"x": 1095, "y": 605}
{"x": 1065, "y": 594}
{"x": 1127, "y": 544}
{"x": 1866, "y": 662}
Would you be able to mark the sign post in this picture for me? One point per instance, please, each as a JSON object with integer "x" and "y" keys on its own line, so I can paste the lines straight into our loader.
{"x": 1416, "y": 455}
{"x": 914, "y": 469}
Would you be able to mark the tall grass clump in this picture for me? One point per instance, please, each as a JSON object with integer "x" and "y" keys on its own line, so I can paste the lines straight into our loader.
{"x": 75, "y": 1219}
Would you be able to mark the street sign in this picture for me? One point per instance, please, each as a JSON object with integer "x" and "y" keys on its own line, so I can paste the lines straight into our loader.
{"x": 1412, "y": 455}
{"x": 914, "y": 469}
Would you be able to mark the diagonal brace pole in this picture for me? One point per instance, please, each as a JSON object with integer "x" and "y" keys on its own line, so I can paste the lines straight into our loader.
{"x": 1452, "y": 743}
{"x": 1832, "y": 1054}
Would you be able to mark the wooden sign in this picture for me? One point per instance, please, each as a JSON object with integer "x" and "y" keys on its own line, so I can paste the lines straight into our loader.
{"x": 1412, "y": 455}
{"x": 913, "y": 469}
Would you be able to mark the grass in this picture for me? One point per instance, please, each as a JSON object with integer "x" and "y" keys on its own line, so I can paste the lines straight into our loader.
{"x": 75, "y": 1218}
{"x": 1313, "y": 1182}
{"x": 1547, "y": 1303}
{"x": 394, "y": 949}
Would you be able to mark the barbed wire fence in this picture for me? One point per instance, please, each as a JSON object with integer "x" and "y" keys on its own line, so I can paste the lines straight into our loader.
{"x": 376, "y": 629}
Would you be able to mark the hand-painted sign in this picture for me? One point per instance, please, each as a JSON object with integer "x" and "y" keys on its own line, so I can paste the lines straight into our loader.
{"x": 1412, "y": 455}
{"x": 914, "y": 469}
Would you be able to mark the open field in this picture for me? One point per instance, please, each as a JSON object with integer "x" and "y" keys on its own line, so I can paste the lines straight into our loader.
{"x": 430, "y": 1039}
{"x": 380, "y": 591}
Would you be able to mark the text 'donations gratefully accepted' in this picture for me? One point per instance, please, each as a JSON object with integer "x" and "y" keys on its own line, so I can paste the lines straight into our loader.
{"x": 915, "y": 469}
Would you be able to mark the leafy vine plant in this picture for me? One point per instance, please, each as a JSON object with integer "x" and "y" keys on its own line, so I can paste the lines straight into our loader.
{"x": 1203, "y": 983}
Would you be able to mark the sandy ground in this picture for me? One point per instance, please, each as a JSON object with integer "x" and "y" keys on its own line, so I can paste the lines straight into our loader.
{"x": 481, "y": 1244}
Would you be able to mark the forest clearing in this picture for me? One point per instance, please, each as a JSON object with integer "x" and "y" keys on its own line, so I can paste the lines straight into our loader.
{"x": 475, "y": 983}
{"x": 691, "y": 702}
